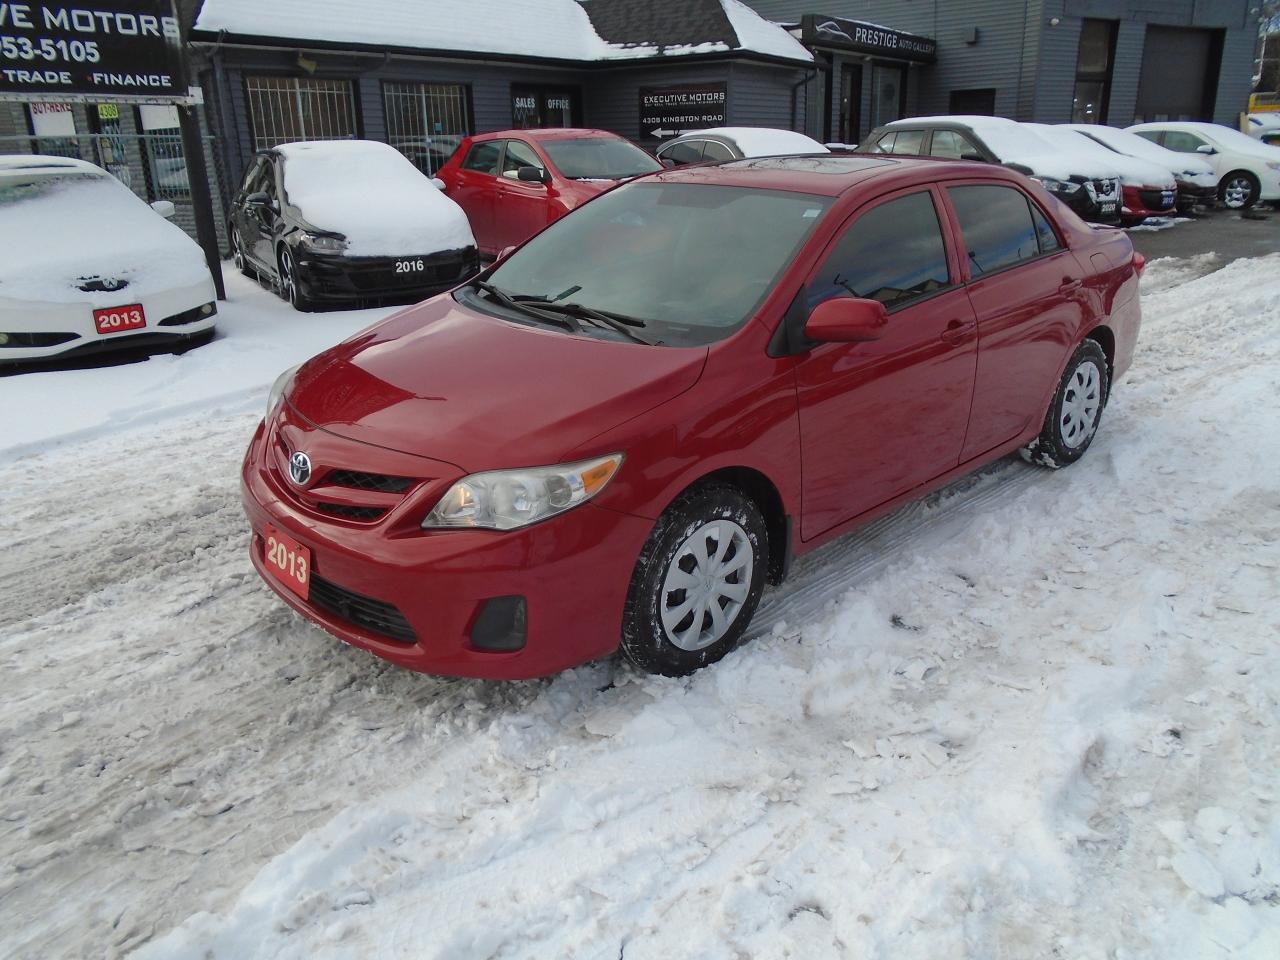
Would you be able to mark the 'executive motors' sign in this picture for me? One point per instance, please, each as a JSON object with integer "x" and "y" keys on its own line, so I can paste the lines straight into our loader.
{"x": 823, "y": 31}
{"x": 98, "y": 50}
{"x": 666, "y": 111}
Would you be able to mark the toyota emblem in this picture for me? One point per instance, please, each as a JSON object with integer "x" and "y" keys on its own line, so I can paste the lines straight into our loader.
{"x": 300, "y": 468}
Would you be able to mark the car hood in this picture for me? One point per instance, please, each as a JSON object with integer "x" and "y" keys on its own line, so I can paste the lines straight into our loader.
{"x": 442, "y": 381}
{"x": 1062, "y": 166}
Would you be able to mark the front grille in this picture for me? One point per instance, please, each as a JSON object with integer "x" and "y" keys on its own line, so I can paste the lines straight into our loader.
{"x": 101, "y": 284}
{"x": 189, "y": 316}
{"x": 352, "y": 513}
{"x": 357, "y": 480}
{"x": 374, "y": 615}
{"x": 1155, "y": 199}
{"x": 35, "y": 339}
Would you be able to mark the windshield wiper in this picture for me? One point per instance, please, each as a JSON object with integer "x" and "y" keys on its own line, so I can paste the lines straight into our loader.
{"x": 521, "y": 305}
{"x": 620, "y": 322}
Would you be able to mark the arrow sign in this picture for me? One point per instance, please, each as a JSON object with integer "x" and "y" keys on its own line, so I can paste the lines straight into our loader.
{"x": 663, "y": 134}
{"x": 668, "y": 111}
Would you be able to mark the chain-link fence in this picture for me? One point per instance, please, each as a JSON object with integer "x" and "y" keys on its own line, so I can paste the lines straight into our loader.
{"x": 152, "y": 165}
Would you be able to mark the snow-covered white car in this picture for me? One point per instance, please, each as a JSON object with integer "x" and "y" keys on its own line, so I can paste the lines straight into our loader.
{"x": 718, "y": 144}
{"x": 1197, "y": 183}
{"x": 347, "y": 221}
{"x": 88, "y": 267}
{"x": 1247, "y": 169}
{"x": 1076, "y": 177}
{"x": 1265, "y": 127}
{"x": 1147, "y": 189}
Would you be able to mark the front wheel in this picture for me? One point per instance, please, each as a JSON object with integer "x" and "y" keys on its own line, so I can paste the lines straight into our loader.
{"x": 290, "y": 288}
{"x": 1075, "y": 412}
{"x": 697, "y": 582}
{"x": 1239, "y": 189}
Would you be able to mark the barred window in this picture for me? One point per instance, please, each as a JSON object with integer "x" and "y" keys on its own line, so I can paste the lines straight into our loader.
{"x": 426, "y": 121}
{"x": 285, "y": 109}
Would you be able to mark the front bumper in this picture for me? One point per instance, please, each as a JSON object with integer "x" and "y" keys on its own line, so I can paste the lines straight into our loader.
{"x": 1148, "y": 201}
{"x": 413, "y": 597}
{"x": 1093, "y": 205}
{"x": 358, "y": 279}
{"x": 45, "y": 330}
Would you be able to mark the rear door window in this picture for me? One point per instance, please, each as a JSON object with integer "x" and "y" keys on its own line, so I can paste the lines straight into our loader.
{"x": 686, "y": 151}
{"x": 716, "y": 151}
{"x": 893, "y": 253}
{"x": 996, "y": 225}
{"x": 484, "y": 157}
{"x": 909, "y": 141}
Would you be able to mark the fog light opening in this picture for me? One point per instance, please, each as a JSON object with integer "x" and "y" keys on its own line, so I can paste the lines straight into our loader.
{"x": 501, "y": 625}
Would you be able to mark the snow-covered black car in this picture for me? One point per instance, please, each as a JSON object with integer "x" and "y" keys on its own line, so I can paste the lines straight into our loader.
{"x": 344, "y": 221}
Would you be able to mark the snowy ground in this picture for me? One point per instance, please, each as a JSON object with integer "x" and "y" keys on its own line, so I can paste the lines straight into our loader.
{"x": 1034, "y": 717}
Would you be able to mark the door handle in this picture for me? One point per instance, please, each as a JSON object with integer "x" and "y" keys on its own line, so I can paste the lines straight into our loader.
{"x": 958, "y": 331}
{"x": 1070, "y": 285}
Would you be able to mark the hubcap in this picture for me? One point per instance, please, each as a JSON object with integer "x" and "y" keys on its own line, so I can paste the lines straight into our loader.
{"x": 1080, "y": 403}
{"x": 706, "y": 585}
{"x": 236, "y": 255}
{"x": 1237, "y": 192}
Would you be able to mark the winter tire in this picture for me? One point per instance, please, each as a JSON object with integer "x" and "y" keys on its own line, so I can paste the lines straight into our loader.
{"x": 238, "y": 257}
{"x": 697, "y": 582}
{"x": 1239, "y": 189}
{"x": 1075, "y": 412}
{"x": 290, "y": 288}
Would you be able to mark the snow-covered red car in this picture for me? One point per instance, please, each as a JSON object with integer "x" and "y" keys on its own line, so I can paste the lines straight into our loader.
{"x": 512, "y": 183}
{"x": 88, "y": 267}
{"x": 718, "y": 144}
{"x": 617, "y": 434}
{"x": 347, "y": 221}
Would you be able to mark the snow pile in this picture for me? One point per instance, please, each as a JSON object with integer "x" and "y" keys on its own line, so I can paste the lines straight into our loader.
{"x": 258, "y": 336}
{"x": 556, "y": 29}
{"x": 1033, "y": 715}
{"x": 767, "y": 141}
{"x": 372, "y": 195}
{"x": 63, "y": 227}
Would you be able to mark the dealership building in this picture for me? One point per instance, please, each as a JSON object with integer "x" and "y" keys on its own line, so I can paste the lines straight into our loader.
{"x": 421, "y": 74}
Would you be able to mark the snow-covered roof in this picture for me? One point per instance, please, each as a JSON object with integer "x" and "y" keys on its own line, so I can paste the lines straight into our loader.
{"x": 1132, "y": 145}
{"x": 579, "y": 30}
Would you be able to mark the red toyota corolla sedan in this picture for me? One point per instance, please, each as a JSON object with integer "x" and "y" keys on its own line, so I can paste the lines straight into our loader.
{"x": 616, "y": 435}
{"x": 514, "y": 182}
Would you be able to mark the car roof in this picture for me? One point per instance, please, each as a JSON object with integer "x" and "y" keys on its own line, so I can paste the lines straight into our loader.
{"x": 28, "y": 165}
{"x": 547, "y": 133}
{"x": 1187, "y": 126}
{"x": 828, "y": 175}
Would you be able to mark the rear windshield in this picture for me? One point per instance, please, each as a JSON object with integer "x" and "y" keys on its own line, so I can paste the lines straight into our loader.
{"x": 599, "y": 158}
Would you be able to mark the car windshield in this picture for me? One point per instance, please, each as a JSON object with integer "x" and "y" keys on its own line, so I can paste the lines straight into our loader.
{"x": 599, "y": 158}
{"x": 692, "y": 261}
{"x": 18, "y": 187}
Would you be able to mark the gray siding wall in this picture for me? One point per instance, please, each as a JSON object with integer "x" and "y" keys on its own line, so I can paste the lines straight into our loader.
{"x": 1031, "y": 63}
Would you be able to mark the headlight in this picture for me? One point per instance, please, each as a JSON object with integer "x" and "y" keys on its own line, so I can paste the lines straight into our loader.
{"x": 1064, "y": 187}
{"x": 319, "y": 244}
{"x": 278, "y": 388}
{"x": 507, "y": 499}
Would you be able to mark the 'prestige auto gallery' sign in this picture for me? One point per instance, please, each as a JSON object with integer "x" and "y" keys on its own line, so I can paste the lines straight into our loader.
{"x": 666, "y": 111}
{"x": 102, "y": 49}
{"x": 824, "y": 31}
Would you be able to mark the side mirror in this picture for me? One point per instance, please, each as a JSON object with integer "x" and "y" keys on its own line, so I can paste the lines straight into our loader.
{"x": 165, "y": 208}
{"x": 976, "y": 157}
{"x": 438, "y": 184}
{"x": 667, "y": 162}
{"x": 533, "y": 175}
{"x": 255, "y": 201}
{"x": 1206, "y": 149}
{"x": 846, "y": 320}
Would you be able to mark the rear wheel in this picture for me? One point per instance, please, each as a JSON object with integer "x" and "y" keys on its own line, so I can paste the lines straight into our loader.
{"x": 1075, "y": 412}
{"x": 697, "y": 582}
{"x": 290, "y": 288}
{"x": 1239, "y": 189}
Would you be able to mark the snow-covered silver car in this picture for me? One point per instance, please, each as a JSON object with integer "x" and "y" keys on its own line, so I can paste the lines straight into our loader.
{"x": 88, "y": 267}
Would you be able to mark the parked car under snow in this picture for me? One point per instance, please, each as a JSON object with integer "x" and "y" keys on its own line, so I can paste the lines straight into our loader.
{"x": 347, "y": 221}
{"x": 87, "y": 267}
